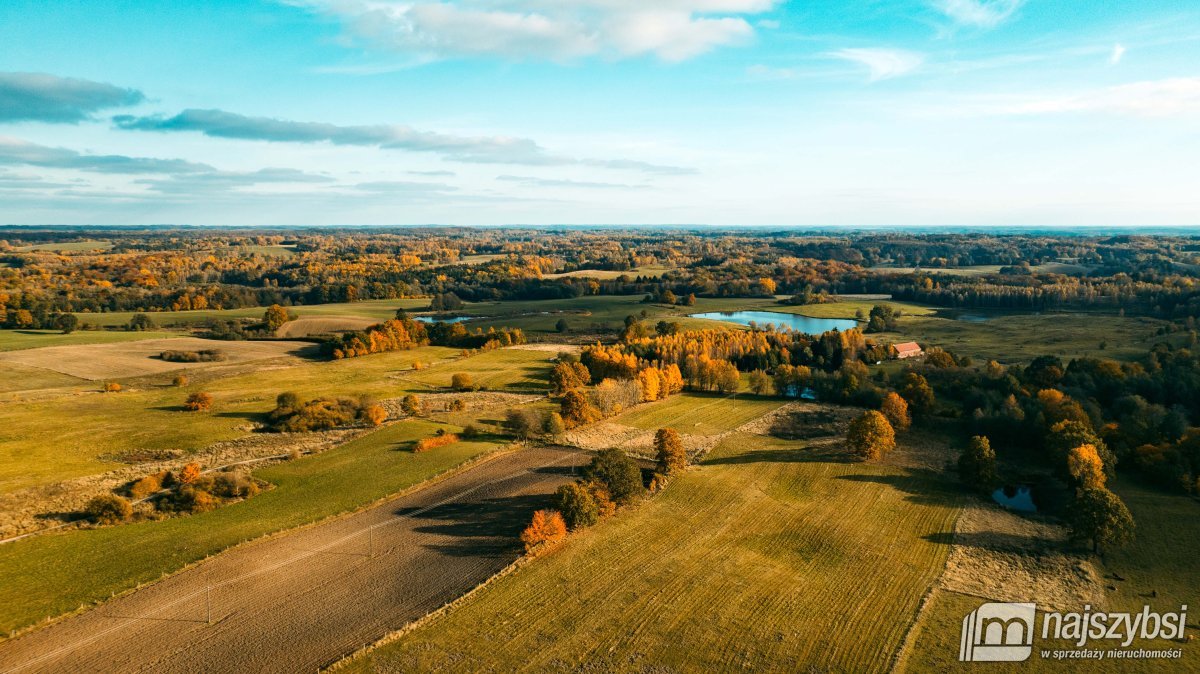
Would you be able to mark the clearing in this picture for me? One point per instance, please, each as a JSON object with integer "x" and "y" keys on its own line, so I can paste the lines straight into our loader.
{"x": 134, "y": 359}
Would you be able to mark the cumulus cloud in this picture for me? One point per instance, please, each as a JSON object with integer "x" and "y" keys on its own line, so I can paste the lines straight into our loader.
{"x": 672, "y": 30}
{"x": 475, "y": 149}
{"x": 48, "y": 98}
{"x": 882, "y": 63}
{"x": 978, "y": 13}
{"x": 14, "y": 151}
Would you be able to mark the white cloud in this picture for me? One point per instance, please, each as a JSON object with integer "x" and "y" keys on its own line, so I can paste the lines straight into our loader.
{"x": 673, "y": 30}
{"x": 978, "y": 13}
{"x": 882, "y": 63}
{"x": 1154, "y": 98}
{"x": 1118, "y": 52}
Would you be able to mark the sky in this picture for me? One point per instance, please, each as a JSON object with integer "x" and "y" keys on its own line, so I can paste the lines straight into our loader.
{"x": 854, "y": 113}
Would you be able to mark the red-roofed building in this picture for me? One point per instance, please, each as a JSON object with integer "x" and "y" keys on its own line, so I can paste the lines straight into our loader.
{"x": 908, "y": 350}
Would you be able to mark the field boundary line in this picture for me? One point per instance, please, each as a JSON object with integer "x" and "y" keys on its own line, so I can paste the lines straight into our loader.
{"x": 433, "y": 480}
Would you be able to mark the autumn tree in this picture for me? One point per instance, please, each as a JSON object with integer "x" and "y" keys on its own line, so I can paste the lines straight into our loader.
{"x": 141, "y": 323}
{"x": 578, "y": 505}
{"x": 760, "y": 383}
{"x": 568, "y": 376}
{"x": 275, "y": 316}
{"x": 1099, "y": 516}
{"x": 917, "y": 392}
{"x": 871, "y": 436}
{"x": 1086, "y": 468}
{"x": 672, "y": 457}
{"x": 562, "y": 325}
{"x": 189, "y": 473}
{"x": 200, "y": 401}
{"x": 554, "y": 424}
{"x": 411, "y": 405}
{"x": 523, "y": 422}
{"x": 577, "y": 410}
{"x": 977, "y": 464}
{"x": 618, "y": 473}
{"x": 547, "y": 528}
{"x": 896, "y": 410}
{"x": 66, "y": 323}
{"x": 179, "y": 381}
{"x": 461, "y": 381}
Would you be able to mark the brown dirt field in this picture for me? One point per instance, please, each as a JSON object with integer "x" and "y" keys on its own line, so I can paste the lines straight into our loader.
{"x": 135, "y": 359}
{"x": 306, "y": 327}
{"x": 1002, "y": 556}
{"x": 131, "y": 359}
{"x": 303, "y": 600}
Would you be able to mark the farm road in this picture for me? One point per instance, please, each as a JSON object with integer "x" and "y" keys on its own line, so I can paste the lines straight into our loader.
{"x": 302, "y": 600}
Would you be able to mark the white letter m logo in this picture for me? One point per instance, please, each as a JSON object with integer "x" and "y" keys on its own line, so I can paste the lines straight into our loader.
{"x": 998, "y": 633}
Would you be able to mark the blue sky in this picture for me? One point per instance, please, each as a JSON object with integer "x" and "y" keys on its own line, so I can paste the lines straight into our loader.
{"x": 724, "y": 112}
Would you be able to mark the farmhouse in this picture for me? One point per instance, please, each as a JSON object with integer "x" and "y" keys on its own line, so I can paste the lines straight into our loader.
{"x": 908, "y": 350}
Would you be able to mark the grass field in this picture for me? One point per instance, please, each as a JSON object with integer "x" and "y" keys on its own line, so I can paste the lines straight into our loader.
{"x": 984, "y": 269}
{"x": 652, "y": 270}
{"x": 847, "y": 308}
{"x": 764, "y": 558}
{"x": 698, "y": 414}
{"x": 1020, "y": 337}
{"x": 55, "y": 573}
{"x": 14, "y": 377}
{"x": 15, "y": 340}
{"x": 1162, "y": 560}
{"x": 37, "y": 447}
{"x": 378, "y": 310}
{"x": 72, "y": 246}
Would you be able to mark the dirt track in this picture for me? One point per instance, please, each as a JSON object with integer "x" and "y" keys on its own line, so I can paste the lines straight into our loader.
{"x": 301, "y": 601}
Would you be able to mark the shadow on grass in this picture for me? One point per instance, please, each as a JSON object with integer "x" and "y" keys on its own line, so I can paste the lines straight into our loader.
{"x": 925, "y": 487}
{"x": 994, "y": 541}
{"x": 795, "y": 455}
{"x": 483, "y": 527}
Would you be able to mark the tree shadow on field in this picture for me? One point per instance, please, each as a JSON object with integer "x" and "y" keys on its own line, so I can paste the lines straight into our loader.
{"x": 992, "y": 540}
{"x": 821, "y": 454}
{"x": 248, "y": 416}
{"x": 484, "y": 527}
{"x": 924, "y": 487}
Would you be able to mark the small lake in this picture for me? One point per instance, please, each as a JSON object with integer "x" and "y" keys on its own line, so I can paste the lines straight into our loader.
{"x": 805, "y": 324}
{"x": 448, "y": 319}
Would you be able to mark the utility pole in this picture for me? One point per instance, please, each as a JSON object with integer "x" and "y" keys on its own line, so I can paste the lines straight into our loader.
{"x": 208, "y": 603}
{"x": 371, "y": 544}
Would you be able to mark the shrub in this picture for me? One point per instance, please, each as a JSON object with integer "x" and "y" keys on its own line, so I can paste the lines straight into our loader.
{"x": 546, "y": 528}
{"x": 108, "y": 509}
{"x": 275, "y": 316}
{"x": 141, "y": 322}
{"x": 112, "y": 387}
{"x": 578, "y": 505}
{"x": 200, "y": 401}
{"x": 411, "y": 405}
{"x": 577, "y": 410}
{"x": 203, "y": 356}
{"x": 287, "y": 400}
{"x": 562, "y": 325}
{"x": 457, "y": 405}
{"x": 146, "y": 486}
{"x": 189, "y": 473}
{"x": 318, "y": 415}
{"x": 179, "y": 381}
{"x": 461, "y": 381}
{"x": 896, "y": 410}
{"x": 234, "y": 485}
{"x": 470, "y": 431}
{"x": 672, "y": 457}
{"x": 977, "y": 464}
{"x": 426, "y": 444}
{"x": 618, "y": 473}
{"x": 192, "y": 500}
{"x": 871, "y": 436}
{"x": 374, "y": 414}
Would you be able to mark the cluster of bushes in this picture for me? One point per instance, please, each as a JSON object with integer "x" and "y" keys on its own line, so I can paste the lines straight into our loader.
{"x": 440, "y": 440}
{"x": 202, "y": 356}
{"x": 291, "y": 415}
{"x": 200, "y": 401}
{"x": 527, "y": 423}
{"x": 187, "y": 490}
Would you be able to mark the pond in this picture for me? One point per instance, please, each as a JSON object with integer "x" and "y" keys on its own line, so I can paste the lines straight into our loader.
{"x": 1016, "y": 497}
{"x": 805, "y": 324}
{"x": 446, "y": 319}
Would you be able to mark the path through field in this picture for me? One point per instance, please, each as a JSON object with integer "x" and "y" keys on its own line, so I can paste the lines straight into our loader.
{"x": 300, "y": 601}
